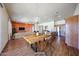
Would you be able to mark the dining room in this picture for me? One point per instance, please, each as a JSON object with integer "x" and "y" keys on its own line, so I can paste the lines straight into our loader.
{"x": 40, "y": 29}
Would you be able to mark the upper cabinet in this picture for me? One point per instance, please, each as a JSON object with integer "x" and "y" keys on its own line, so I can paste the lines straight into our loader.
{"x": 72, "y": 31}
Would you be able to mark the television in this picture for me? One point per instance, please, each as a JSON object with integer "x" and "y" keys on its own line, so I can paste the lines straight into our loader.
{"x": 21, "y": 28}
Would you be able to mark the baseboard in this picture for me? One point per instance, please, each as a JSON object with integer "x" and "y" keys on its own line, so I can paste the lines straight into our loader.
{"x": 4, "y": 47}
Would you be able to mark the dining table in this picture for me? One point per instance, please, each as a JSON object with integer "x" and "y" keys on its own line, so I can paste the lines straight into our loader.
{"x": 33, "y": 39}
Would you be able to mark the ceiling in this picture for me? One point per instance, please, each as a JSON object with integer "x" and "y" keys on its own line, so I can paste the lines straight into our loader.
{"x": 45, "y": 12}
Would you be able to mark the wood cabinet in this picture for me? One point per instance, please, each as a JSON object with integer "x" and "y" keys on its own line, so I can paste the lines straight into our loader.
{"x": 72, "y": 24}
{"x": 26, "y": 27}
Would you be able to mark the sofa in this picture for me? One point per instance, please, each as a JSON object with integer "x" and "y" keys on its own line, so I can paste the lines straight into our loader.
{"x": 21, "y": 34}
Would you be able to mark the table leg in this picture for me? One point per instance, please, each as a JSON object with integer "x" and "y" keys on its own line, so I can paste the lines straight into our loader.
{"x": 34, "y": 47}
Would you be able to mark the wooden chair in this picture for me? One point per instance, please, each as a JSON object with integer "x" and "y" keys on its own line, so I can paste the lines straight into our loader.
{"x": 41, "y": 46}
{"x": 34, "y": 46}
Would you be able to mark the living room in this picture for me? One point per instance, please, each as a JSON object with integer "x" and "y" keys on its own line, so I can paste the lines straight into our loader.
{"x": 25, "y": 25}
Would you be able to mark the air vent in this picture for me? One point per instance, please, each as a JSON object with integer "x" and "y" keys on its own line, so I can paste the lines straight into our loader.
{"x": 1, "y": 5}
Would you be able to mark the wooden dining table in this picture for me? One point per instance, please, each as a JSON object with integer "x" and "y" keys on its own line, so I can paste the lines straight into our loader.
{"x": 32, "y": 39}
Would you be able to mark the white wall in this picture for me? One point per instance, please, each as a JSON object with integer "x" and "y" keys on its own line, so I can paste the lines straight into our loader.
{"x": 50, "y": 25}
{"x": 60, "y": 22}
{"x": 9, "y": 29}
{"x": 77, "y": 10}
{"x": 3, "y": 28}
